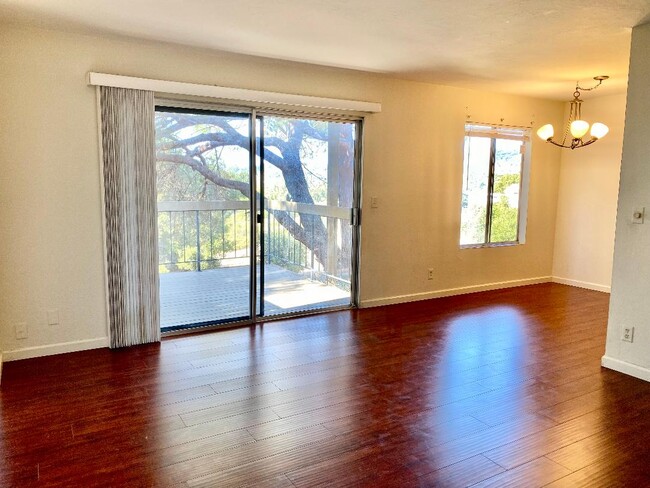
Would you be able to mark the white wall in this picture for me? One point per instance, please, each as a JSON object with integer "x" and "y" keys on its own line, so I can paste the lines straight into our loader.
{"x": 630, "y": 303}
{"x": 586, "y": 209}
{"x": 50, "y": 214}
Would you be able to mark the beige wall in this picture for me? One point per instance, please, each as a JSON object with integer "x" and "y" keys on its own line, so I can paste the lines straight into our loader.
{"x": 586, "y": 211}
{"x": 50, "y": 215}
{"x": 629, "y": 303}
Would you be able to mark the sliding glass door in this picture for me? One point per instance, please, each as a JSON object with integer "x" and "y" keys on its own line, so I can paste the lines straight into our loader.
{"x": 251, "y": 231}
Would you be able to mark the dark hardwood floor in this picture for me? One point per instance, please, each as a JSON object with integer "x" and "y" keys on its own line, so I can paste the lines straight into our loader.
{"x": 501, "y": 388}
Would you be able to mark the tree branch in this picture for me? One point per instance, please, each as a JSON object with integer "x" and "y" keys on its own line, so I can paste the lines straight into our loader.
{"x": 221, "y": 140}
{"x": 207, "y": 173}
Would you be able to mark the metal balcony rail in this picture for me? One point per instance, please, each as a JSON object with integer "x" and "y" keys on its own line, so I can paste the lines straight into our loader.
{"x": 202, "y": 235}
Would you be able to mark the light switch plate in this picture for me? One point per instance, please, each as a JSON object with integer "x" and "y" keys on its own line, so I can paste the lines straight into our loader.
{"x": 638, "y": 215}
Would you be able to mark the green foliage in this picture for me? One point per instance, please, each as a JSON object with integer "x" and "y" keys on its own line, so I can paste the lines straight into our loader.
{"x": 504, "y": 221}
{"x": 501, "y": 182}
{"x": 223, "y": 235}
{"x": 504, "y": 217}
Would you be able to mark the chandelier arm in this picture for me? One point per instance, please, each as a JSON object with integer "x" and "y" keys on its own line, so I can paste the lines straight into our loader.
{"x": 591, "y": 141}
{"x": 558, "y": 144}
{"x": 577, "y": 145}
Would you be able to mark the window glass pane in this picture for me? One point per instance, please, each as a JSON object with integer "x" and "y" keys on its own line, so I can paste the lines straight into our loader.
{"x": 505, "y": 198}
{"x": 308, "y": 189}
{"x": 203, "y": 185}
{"x": 476, "y": 166}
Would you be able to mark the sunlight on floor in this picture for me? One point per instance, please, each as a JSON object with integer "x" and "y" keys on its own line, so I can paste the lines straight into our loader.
{"x": 222, "y": 294}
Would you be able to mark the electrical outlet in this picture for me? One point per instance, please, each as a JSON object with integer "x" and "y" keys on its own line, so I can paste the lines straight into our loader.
{"x": 52, "y": 317}
{"x": 430, "y": 274}
{"x": 374, "y": 202}
{"x": 21, "y": 330}
{"x": 628, "y": 334}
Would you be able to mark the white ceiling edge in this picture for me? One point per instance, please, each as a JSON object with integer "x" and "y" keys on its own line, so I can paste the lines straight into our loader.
{"x": 559, "y": 91}
{"x": 537, "y": 49}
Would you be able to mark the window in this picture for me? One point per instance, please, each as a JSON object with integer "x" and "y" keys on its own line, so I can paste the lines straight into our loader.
{"x": 495, "y": 185}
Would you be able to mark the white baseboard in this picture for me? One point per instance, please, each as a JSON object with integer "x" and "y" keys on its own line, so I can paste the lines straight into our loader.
{"x": 626, "y": 368}
{"x": 581, "y": 284}
{"x": 50, "y": 349}
{"x": 376, "y": 302}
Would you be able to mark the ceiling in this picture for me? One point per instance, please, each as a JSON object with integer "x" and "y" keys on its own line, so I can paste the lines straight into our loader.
{"x": 531, "y": 47}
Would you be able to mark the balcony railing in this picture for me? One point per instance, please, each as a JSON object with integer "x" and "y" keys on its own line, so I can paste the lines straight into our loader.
{"x": 197, "y": 236}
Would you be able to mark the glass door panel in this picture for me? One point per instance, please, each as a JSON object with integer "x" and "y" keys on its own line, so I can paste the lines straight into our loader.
{"x": 306, "y": 240}
{"x": 203, "y": 177}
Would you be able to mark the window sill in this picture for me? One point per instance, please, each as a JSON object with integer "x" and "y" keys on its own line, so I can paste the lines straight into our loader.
{"x": 492, "y": 244}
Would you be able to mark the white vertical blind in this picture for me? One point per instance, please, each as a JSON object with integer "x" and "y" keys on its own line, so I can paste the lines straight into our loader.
{"x": 128, "y": 153}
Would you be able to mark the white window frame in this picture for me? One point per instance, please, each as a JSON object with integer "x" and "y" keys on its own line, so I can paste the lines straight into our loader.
{"x": 496, "y": 131}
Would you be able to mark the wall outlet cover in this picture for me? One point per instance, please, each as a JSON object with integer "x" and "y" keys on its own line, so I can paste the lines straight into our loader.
{"x": 21, "y": 330}
{"x": 628, "y": 334}
{"x": 52, "y": 317}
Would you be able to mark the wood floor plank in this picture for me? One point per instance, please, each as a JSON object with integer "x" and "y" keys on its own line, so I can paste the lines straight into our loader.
{"x": 540, "y": 443}
{"x": 180, "y": 435}
{"x": 539, "y": 472}
{"x": 617, "y": 473}
{"x": 202, "y": 447}
{"x": 361, "y": 465}
{"x": 487, "y": 439}
{"x": 259, "y": 451}
{"x": 615, "y": 440}
{"x": 464, "y": 473}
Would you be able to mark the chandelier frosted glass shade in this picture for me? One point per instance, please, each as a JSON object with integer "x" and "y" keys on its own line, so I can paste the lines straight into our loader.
{"x": 579, "y": 128}
{"x": 598, "y": 130}
{"x": 546, "y": 132}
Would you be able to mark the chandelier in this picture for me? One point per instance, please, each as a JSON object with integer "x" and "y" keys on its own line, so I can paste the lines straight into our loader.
{"x": 576, "y": 127}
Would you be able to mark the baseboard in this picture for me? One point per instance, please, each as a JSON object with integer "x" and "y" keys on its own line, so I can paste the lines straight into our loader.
{"x": 626, "y": 368}
{"x": 50, "y": 349}
{"x": 581, "y": 284}
{"x": 376, "y": 302}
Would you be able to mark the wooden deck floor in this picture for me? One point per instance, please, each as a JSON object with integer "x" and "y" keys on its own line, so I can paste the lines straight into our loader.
{"x": 501, "y": 388}
{"x": 222, "y": 294}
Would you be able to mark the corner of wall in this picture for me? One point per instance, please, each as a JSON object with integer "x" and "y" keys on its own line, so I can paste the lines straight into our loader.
{"x": 629, "y": 306}
{"x": 587, "y": 201}
{"x": 625, "y": 367}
